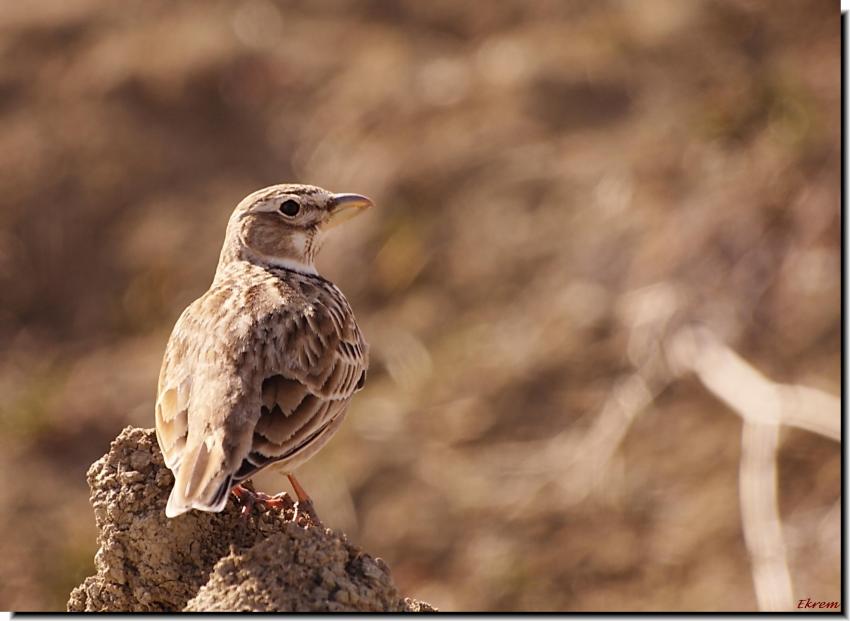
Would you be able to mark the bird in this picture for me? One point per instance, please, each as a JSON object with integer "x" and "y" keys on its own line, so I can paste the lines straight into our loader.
{"x": 260, "y": 370}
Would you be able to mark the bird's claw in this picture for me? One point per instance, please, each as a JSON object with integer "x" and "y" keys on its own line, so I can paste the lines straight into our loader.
{"x": 303, "y": 511}
{"x": 248, "y": 498}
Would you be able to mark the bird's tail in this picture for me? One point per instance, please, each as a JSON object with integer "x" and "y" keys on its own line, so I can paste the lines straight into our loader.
{"x": 201, "y": 480}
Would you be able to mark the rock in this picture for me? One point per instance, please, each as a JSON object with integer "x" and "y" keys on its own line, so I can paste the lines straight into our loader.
{"x": 214, "y": 561}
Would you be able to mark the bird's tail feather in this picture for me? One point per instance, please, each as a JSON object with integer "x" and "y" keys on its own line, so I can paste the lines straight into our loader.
{"x": 200, "y": 481}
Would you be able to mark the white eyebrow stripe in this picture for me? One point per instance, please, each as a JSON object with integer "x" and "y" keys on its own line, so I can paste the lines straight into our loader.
{"x": 267, "y": 206}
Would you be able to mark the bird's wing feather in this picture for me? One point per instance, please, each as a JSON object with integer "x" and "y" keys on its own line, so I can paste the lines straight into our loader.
{"x": 324, "y": 363}
{"x": 194, "y": 397}
{"x": 172, "y": 403}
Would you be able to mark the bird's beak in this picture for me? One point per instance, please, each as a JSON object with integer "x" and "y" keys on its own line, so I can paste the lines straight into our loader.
{"x": 344, "y": 207}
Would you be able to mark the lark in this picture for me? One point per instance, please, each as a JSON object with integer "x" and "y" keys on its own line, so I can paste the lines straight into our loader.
{"x": 259, "y": 371}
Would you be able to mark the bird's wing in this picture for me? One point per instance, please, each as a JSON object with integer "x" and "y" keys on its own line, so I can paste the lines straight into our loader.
{"x": 173, "y": 392}
{"x": 223, "y": 413}
{"x": 324, "y": 363}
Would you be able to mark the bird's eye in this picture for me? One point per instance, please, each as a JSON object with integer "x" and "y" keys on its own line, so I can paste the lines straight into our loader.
{"x": 289, "y": 207}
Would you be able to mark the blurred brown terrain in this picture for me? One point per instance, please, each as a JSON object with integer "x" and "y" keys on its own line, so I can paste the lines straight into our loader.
{"x": 538, "y": 166}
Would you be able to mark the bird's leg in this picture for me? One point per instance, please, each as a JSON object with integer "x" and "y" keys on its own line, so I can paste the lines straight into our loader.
{"x": 305, "y": 504}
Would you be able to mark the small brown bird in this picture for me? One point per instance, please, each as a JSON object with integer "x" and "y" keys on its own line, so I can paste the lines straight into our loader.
{"x": 261, "y": 368}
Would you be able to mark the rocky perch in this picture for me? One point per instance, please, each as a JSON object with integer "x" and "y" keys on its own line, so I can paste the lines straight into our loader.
{"x": 215, "y": 561}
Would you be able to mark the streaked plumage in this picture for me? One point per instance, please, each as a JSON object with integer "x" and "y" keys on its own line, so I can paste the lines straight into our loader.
{"x": 261, "y": 368}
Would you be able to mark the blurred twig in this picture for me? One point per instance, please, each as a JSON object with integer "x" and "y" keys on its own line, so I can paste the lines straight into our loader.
{"x": 589, "y": 459}
{"x": 764, "y": 405}
{"x": 760, "y": 516}
{"x": 749, "y": 393}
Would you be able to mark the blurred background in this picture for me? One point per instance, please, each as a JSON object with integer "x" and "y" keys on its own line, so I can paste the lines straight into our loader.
{"x": 561, "y": 185}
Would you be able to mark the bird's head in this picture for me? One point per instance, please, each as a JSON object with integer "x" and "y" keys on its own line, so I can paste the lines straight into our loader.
{"x": 284, "y": 225}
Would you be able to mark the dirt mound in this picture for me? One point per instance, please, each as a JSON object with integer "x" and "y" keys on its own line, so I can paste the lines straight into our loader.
{"x": 149, "y": 563}
{"x": 300, "y": 570}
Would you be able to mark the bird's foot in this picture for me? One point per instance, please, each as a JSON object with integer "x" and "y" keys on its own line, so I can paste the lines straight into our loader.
{"x": 249, "y": 498}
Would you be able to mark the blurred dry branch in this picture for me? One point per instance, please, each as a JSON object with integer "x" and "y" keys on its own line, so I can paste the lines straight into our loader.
{"x": 749, "y": 393}
{"x": 760, "y": 516}
{"x": 764, "y": 406}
